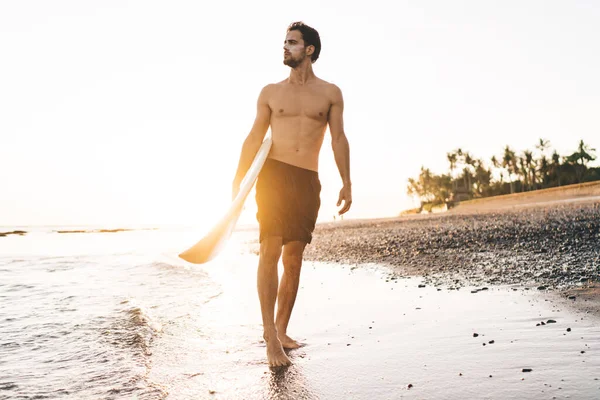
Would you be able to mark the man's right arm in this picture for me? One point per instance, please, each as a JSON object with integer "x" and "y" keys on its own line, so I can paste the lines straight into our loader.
{"x": 254, "y": 138}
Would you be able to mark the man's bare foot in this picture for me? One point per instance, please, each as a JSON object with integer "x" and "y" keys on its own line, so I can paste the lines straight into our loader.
{"x": 275, "y": 354}
{"x": 287, "y": 342}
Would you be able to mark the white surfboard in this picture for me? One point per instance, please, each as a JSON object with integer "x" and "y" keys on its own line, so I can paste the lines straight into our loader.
{"x": 212, "y": 243}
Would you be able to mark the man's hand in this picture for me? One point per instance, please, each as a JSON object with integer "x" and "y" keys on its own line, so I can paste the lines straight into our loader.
{"x": 346, "y": 197}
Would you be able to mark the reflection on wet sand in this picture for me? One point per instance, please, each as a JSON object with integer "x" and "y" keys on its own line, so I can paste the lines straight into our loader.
{"x": 289, "y": 383}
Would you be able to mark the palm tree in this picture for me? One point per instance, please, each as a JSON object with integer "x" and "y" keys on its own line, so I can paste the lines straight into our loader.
{"x": 556, "y": 165}
{"x": 544, "y": 170}
{"x": 496, "y": 164}
{"x": 482, "y": 177}
{"x": 523, "y": 171}
{"x": 419, "y": 187}
{"x": 583, "y": 155}
{"x": 509, "y": 162}
{"x": 452, "y": 158}
{"x": 470, "y": 165}
{"x": 542, "y": 146}
{"x": 494, "y": 161}
{"x": 580, "y": 158}
{"x": 530, "y": 166}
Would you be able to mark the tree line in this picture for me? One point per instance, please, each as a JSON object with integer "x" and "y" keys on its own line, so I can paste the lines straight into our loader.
{"x": 512, "y": 172}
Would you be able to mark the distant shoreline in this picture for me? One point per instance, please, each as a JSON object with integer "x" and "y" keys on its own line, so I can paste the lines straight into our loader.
{"x": 117, "y": 230}
{"x": 19, "y": 233}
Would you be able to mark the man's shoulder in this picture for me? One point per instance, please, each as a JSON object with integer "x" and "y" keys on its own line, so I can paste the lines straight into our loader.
{"x": 269, "y": 87}
{"x": 268, "y": 90}
{"x": 275, "y": 85}
{"x": 272, "y": 87}
{"x": 331, "y": 89}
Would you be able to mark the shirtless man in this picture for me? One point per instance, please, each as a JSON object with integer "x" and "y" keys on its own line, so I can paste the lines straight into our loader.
{"x": 298, "y": 110}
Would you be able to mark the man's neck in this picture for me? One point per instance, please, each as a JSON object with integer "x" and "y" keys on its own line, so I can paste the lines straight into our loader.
{"x": 302, "y": 74}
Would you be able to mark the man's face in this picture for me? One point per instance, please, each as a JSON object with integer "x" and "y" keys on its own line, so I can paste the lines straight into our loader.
{"x": 294, "y": 51}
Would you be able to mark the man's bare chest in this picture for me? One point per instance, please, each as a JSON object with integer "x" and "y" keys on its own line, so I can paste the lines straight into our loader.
{"x": 300, "y": 103}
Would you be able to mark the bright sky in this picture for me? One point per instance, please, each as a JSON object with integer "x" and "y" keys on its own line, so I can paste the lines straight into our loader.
{"x": 129, "y": 112}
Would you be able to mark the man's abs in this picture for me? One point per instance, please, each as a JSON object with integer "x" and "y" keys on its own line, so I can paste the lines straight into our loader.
{"x": 298, "y": 123}
{"x": 295, "y": 146}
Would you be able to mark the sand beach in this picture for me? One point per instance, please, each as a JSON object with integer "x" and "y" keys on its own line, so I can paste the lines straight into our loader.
{"x": 545, "y": 244}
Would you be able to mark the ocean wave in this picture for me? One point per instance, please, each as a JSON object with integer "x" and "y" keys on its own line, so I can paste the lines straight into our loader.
{"x": 135, "y": 329}
{"x": 177, "y": 267}
{"x": 141, "y": 318}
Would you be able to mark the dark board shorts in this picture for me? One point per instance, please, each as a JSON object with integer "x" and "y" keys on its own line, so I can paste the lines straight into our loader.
{"x": 288, "y": 200}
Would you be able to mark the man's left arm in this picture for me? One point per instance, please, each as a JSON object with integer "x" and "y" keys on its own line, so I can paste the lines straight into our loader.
{"x": 341, "y": 148}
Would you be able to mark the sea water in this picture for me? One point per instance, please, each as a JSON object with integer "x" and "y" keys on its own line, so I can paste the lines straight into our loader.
{"x": 81, "y": 311}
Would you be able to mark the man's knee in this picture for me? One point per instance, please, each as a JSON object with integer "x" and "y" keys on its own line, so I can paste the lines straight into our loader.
{"x": 292, "y": 256}
{"x": 270, "y": 250}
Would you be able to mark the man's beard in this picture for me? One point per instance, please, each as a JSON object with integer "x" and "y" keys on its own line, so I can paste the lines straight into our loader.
{"x": 292, "y": 63}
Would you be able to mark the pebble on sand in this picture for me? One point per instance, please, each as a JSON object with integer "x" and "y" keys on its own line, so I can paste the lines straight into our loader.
{"x": 399, "y": 243}
{"x": 410, "y": 385}
{"x": 527, "y": 370}
{"x": 568, "y": 329}
{"x": 475, "y": 334}
{"x": 551, "y": 321}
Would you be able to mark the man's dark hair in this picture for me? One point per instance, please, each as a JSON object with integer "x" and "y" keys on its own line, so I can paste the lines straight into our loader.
{"x": 310, "y": 37}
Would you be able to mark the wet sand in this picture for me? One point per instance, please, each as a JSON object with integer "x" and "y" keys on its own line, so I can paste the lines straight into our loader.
{"x": 370, "y": 335}
{"x": 475, "y": 303}
{"x": 547, "y": 246}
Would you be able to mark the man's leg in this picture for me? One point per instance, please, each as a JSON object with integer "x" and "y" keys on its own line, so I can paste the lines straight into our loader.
{"x": 292, "y": 263}
{"x": 267, "y": 281}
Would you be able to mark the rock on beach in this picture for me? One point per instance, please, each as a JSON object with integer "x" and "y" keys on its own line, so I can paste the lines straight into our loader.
{"x": 554, "y": 246}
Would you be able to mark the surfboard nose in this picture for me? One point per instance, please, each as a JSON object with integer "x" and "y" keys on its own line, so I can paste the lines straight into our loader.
{"x": 195, "y": 258}
{"x": 211, "y": 244}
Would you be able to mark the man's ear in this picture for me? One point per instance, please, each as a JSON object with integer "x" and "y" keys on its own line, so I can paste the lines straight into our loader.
{"x": 310, "y": 50}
